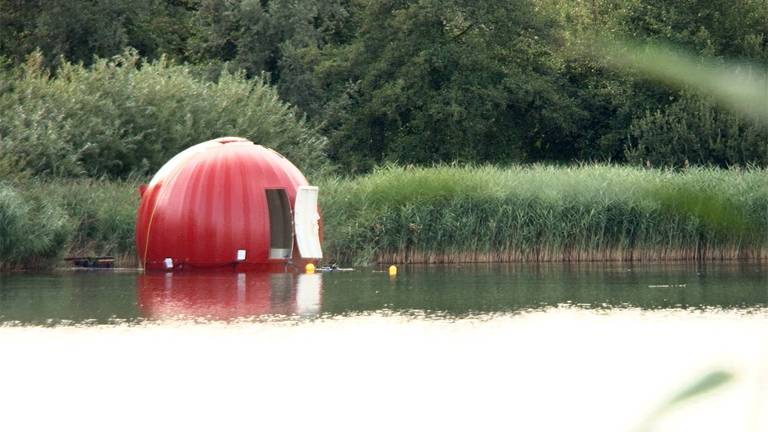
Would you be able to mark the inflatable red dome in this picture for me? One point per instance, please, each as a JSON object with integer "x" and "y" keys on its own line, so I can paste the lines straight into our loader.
{"x": 228, "y": 203}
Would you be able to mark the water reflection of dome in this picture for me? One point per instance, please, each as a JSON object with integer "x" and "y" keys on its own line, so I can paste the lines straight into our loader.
{"x": 225, "y": 296}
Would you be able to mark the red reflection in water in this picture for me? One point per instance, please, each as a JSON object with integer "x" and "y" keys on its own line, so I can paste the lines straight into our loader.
{"x": 228, "y": 295}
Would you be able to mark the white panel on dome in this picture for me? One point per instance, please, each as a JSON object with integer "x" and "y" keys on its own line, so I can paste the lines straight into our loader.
{"x": 306, "y": 222}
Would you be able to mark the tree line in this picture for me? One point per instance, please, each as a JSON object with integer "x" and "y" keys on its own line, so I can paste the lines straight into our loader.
{"x": 368, "y": 81}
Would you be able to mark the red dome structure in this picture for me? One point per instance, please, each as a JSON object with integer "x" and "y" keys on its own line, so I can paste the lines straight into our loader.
{"x": 230, "y": 204}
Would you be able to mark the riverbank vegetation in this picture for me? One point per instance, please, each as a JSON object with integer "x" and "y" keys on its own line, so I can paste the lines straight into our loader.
{"x": 545, "y": 213}
{"x": 447, "y": 214}
{"x": 42, "y": 221}
{"x": 124, "y": 117}
{"x": 439, "y": 131}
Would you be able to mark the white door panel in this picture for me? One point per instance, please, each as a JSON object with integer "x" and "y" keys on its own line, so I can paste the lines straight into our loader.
{"x": 307, "y": 222}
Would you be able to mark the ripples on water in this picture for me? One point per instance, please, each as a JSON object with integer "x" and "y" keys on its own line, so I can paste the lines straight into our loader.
{"x": 474, "y": 348}
{"x": 435, "y": 292}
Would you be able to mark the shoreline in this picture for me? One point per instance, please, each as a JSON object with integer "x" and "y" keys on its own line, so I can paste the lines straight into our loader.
{"x": 501, "y": 257}
{"x": 131, "y": 264}
{"x": 427, "y": 259}
{"x": 444, "y": 214}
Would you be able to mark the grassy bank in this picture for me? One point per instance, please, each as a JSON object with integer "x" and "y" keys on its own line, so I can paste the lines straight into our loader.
{"x": 445, "y": 214}
{"x": 537, "y": 213}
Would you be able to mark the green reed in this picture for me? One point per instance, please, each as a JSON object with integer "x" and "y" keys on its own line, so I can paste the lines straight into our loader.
{"x": 545, "y": 213}
{"x": 445, "y": 214}
{"x": 41, "y": 221}
{"x": 32, "y": 231}
{"x": 101, "y": 215}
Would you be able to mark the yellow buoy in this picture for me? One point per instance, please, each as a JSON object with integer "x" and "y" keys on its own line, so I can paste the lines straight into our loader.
{"x": 310, "y": 268}
{"x": 393, "y": 270}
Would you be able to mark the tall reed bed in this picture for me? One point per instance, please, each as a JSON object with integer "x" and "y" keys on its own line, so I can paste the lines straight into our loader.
{"x": 42, "y": 221}
{"x": 32, "y": 231}
{"x": 444, "y": 214}
{"x": 543, "y": 213}
{"x": 101, "y": 215}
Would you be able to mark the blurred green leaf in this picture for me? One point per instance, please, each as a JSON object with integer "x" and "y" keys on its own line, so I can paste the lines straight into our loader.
{"x": 707, "y": 383}
{"x": 742, "y": 87}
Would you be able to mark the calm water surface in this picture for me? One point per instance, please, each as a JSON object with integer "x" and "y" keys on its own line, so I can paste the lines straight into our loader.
{"x": 95, "y": 297}
{"x": 514, "y": 347}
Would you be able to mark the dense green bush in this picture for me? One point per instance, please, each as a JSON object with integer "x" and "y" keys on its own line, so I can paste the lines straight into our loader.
{"x": 694, "y": 130}
{"x": 122, "y": 116}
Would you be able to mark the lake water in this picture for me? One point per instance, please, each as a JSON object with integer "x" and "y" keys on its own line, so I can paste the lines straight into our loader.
{"x": 491, "y": 347}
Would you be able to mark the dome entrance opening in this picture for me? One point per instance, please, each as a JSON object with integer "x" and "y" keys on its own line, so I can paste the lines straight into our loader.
{"x": 280, "y": 224}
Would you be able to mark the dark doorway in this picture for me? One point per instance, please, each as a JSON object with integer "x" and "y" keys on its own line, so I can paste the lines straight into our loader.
{"x": 280, "y": 224}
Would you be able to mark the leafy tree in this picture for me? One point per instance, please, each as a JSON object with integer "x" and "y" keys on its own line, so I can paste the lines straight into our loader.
{"x": 427, "y": 81}
{"x": 625, "y": 107}
{"x": 414, "y": 81}
{"x": 79, "y": 30}
{"x": 252, "y": 35}
{"x": 692, "y": 129}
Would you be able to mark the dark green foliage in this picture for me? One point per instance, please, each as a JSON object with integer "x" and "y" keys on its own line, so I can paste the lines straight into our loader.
{"x": 252, "y": 34}
{"x": 414, "y": 81}
{"x": 737, "y": 29}
{"x": 692, "y": 129}
{"x": 625, "y": 106}
{"x": 428, "y": 81}
{"x": 79, "y": 30}
{"x": 423, "y": 81}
